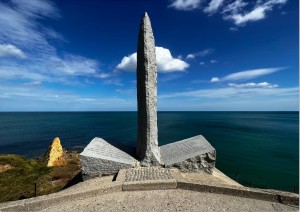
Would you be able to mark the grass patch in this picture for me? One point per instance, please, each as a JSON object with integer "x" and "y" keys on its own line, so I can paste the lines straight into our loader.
{"x": 19, "y": 181}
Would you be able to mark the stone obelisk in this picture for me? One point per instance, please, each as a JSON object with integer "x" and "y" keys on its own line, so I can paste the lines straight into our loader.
{"x": 147, "y": 138}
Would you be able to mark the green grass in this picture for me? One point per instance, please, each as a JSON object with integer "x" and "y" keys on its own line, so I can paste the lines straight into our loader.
{"x": 19, "y": 181}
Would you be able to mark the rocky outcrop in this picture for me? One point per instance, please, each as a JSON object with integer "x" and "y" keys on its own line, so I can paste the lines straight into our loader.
{"x": 5, "y": 167}
{"x": 55, "y": 154}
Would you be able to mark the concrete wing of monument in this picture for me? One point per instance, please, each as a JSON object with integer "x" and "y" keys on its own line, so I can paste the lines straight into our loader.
{"x": 190, "y": 155}
{"x": 101, "y": 158}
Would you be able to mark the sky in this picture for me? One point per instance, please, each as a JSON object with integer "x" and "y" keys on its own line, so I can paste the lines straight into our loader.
{"x": 212, "y": 55}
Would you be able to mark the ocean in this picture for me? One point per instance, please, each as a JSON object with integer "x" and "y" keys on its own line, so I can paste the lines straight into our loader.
{"x": 257, "y": 149}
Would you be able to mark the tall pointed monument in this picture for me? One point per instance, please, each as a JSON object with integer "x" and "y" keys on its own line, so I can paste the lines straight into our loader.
{"x": 147, "y": 136}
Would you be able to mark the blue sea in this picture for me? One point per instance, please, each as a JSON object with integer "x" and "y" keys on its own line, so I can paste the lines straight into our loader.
{"x": 257, "y": 149}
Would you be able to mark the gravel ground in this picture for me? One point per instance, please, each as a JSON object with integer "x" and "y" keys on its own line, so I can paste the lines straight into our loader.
{"x": 169, "y": 200}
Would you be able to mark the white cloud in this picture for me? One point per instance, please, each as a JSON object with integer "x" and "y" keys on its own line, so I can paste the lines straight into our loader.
{"x": 250, "y": 74}
{"x": 202, "y": 63}
{"x": 234, "y": 7}
{"x": 15, "y": 72}
{"x": 257, "y": 13}
{"x": 213, "y": 6}
{"x": 253, "y": 85}
{"x": 55, "y": 70}
{"x": 185, "y": 4}
{"x": 19, "y": 22}
{"x": 246, "y": 75}
{"x": 36, "y": 8}
{"x": 213, "y": 61}
{"x": 128, "y": 63}
{"x": 254, "y": 15}
{"x": 233, "y": 29}
{"x": 74, "y": 65}
{"x": 205, "y": 52}
{"x": 8, "y": 50}
{"x": 202, "y": 53}
{"x": 34, "y": 83}
{"x": 190, "y": 57}
{"x": 273, "y": 2}
{"x": 215, "y": 79}
{"x": 165, "y": 62}
{"x": 102, "y": 75}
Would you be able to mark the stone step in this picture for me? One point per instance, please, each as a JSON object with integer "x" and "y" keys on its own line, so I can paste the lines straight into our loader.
{"x": 146, "y": 185}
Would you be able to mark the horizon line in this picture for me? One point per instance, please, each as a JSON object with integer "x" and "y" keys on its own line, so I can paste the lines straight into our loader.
{"x": 101, "y": 111}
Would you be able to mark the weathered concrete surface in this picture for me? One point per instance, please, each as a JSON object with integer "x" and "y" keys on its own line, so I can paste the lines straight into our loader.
{"x": 147, "y": 144}
{"x": 216, "y": 178}
{"x": 101, "y": 158}
{"x": 190, "y": 155}
{"x": 55, "y": 154}
{"x": 242, "y": 192}
{"x": 169, "y": 200}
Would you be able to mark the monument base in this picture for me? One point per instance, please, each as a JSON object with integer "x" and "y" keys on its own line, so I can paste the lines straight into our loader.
{"x": 190, "y": 155}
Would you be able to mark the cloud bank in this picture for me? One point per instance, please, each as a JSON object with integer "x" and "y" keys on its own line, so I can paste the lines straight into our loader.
{"x": 238, "y": 11}
{"x": 22, "y": 32}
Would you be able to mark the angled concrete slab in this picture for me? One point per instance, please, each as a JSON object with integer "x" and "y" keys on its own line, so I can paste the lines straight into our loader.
{"x": 101, "y": 158}
{"x": 190, "y": 155}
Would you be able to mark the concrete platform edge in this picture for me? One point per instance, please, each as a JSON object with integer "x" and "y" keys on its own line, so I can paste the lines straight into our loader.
{"x": 246, "y": 192}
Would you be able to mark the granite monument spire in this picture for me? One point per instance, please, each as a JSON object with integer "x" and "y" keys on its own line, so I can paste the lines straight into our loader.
{"x": 147, "y": 137}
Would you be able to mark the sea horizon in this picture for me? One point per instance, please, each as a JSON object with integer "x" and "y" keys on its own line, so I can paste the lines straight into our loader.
{"x": 92, "y": 111}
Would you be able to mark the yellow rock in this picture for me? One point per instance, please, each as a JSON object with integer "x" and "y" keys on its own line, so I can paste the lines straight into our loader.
{"x": 55, "y": 154}
{"x": 5, "y": 167}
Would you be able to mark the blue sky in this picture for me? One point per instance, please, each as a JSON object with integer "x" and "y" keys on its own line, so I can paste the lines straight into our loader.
{"x": 212, "y": 55}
